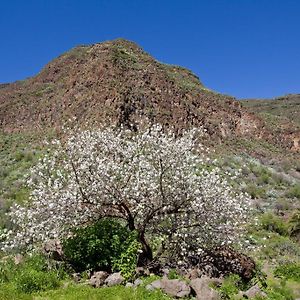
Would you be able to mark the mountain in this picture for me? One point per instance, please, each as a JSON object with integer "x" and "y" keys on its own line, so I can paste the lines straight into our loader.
{"x": 117, "y": 82}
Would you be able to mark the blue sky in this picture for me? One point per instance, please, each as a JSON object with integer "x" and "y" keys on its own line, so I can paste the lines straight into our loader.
{"x": 245, "y": 48}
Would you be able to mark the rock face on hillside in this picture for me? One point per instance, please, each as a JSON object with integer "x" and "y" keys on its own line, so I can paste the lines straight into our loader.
{"x": 281, "y": 116}
{"x": 117, "y": 82}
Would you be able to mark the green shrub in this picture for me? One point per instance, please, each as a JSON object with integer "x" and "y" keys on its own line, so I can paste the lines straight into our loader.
{"x": 30, "y": 280}
{"x": 294, "y": 192}
{"x": 173, "y": 274}
{"x": 98, "y": 245}
{"x": 256, "y": 192}
{"x": 294, "y": 223}
{"x": 273, "y": 223}
{"x": 32, "y": 275}
{"x": 278, "y": 291}
{"x": 127, "y": 262}
{"x": 288, "y": 271}
{"x": 230, "y": 286}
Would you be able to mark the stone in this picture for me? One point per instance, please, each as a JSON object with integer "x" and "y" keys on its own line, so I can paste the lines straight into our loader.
{"x": 149, "y": 287}
{"x": 156, "y": 284}
{"x": 203, "y": 290}
{"x": 137, "y": 282}
{"x": 175, "y": 288}
{"x": 254, "y": 291}
{"x": 129, "y": 284}
{"x": 193, "y": 274}
{"x": 98, "y": 279}
{"x": 114, "y": 279}
{"x": 76, "y": 277}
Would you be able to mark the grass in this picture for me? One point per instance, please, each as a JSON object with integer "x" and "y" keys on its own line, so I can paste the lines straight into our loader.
{"x": 79, "y": 292}
{"x": 113, "y": 293}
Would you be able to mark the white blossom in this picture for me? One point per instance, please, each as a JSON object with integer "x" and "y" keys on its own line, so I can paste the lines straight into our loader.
{"x": 162, "y": 185}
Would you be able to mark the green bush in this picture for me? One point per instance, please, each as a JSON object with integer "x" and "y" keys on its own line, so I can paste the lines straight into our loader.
{"x": 230, "y": 286}
{"x": 127, "y": 262}
{"x": 273, "y": 223}
{"x": 288, "y": 271}
{"x": 32, "y": 275}
{"x": 97, "y": 246}
{"x": 294, "y": 192}
{"x": 256, "y": 192}
{"x": 30, "y": 280}
{"x": 278, "y": 291}
{"x": 294, "y": 223}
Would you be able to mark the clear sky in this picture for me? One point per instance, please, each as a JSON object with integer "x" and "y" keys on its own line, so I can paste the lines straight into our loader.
{"x": 245, "y": 48}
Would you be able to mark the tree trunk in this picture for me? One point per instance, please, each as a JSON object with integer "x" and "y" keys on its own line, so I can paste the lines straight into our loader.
{"x": 146, "y": 256}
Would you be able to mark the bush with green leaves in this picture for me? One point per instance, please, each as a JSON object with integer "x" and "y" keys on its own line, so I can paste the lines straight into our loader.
{"x": 32, "y": 275}
{"x": 288, "y": 271}
{"x": 30, "y": 280}
{"x": 273, "y": 223}
{"x": 230, "y": 287}
{"x": 127, "y": 262}
{"x": 294, "y": 223}
{"x": 100, "y": 246}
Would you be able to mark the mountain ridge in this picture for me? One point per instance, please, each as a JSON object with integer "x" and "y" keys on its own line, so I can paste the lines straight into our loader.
{"x": 117, "y": 82}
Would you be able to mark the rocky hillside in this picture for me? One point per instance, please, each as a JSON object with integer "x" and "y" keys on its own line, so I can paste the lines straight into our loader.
{"x": 281, "y": 115}
{"x": 117, "y": 82}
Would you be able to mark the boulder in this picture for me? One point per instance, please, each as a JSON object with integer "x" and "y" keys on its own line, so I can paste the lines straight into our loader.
{"x": 129, "y": 285}
{"x": 76, "y": 277}
{"x": 172, "y": 287}
{"x": 114, "y": 279}
{"x": 253, "y": 292}
{"x": 203, "y": 290}
{"x": 137, "y": 282}
{"x": 98, "y": 279}
{"x": 193, "y": 274}
{"x": 175, "y": 288}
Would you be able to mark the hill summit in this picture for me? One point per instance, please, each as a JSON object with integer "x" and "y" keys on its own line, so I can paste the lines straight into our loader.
{"x": 116, "y": 82}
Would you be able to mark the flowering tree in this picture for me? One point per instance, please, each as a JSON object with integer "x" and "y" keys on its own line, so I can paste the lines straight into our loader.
{"x": 158, "y": 183}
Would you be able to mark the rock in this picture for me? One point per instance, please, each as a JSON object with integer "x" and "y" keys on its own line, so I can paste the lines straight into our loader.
{"x": 53, "y": 248}
{"x": 175, "y": 288}
{"x": 149, "y": 287}
{"x": 254, "y": 291}
{"x": 202, "y": 289}
{"x": 76, "y": 277}
{"x": 137, "y": 282}
{"x": 129, "y": 284}
{"x": 193, "y": 274}
{"x": 156, "y": 284}
{"x": 114, "y": 279}
{"x": 98, "y": 279}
